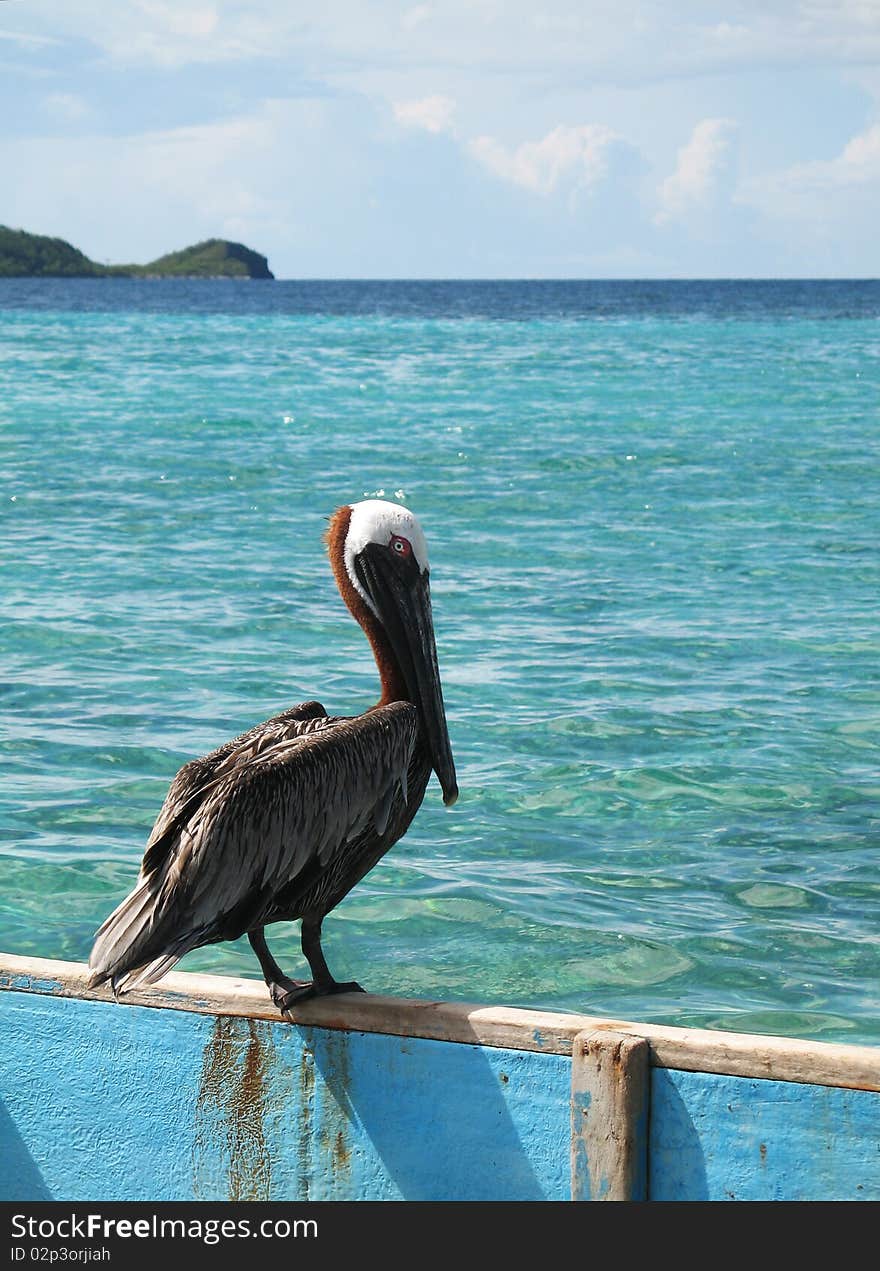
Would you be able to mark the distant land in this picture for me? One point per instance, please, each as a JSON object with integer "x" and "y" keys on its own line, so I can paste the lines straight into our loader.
{"x": 24, "y": 255}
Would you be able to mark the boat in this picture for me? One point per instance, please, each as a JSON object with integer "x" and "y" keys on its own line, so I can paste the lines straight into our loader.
{"x": 193, "y": 1089}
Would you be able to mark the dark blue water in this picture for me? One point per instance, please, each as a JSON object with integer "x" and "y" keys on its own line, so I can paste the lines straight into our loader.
{"x": 503, "y": 299}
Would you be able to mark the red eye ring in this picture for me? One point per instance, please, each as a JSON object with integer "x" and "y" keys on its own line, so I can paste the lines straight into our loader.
{"x": 400, "y": 546}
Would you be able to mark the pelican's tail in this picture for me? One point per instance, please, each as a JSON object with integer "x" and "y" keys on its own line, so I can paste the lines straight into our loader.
{"x": 126, "y": 950}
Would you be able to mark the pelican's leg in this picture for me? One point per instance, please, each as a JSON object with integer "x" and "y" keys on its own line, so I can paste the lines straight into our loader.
{"x": 311, "y": 946}
{"x": 280, "y": 985}
{"x": 322, "y": 982}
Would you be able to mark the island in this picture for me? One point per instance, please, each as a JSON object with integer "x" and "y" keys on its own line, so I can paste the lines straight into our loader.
{"x": 24, "y": 255}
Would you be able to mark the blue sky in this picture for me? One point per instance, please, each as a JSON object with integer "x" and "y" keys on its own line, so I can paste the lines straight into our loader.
{"x": 481, "y": 138}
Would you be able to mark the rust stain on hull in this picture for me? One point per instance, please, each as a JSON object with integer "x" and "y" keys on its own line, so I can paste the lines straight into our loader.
{"x": 231, "y": 1108}
{"x": 304, "y": 1130}
{"x": 341, "y": 1153}
{"x": 334, "y": 1115}
{"x": 272, "y": 1119}
{"x": 337, "y": 1074}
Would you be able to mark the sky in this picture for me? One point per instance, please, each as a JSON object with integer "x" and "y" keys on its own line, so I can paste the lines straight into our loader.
{"x": 451, "y": 138}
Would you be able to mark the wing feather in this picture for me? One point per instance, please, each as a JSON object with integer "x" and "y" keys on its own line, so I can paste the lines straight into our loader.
{"x": 297, "y": 802}
{"x": 194, "y": 780}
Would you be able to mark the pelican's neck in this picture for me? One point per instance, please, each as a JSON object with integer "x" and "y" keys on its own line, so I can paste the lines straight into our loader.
{"x": 393, "y": 685}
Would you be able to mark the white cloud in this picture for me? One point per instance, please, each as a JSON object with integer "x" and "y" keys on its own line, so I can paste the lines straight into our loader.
{"x": 67, "y": 106}
{"x": 697, "y": 170}
{"x": 27, "y": 40}
{"x": 186, "y": 21}
{"x": 858, "y": 163}
{"x": 416, "y": 16}
{"x": 172, "y": 35}
{"x": 823, "y": 194}
{"x": 576, "y": 153}
{"x": 616, "y": 39}
{"x": 433, "y": 114}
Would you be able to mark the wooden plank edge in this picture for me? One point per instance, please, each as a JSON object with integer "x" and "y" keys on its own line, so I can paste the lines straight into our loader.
{"x": 610, "y": 1096}
{"x": 686, "y": 1049}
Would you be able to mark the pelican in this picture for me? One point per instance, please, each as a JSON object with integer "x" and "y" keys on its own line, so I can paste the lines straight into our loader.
{"x": 281, "y": 822}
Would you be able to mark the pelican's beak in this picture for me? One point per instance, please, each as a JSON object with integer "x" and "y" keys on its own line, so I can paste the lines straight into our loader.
{"x": 401, "y": 598}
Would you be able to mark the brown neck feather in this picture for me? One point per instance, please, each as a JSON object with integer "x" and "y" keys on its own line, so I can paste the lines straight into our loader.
{"x": 393, "y": 686}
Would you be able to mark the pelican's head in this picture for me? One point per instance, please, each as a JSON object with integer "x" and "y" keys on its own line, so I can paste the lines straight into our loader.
{"x": 384, "y": 525}
{"x": 380, "y": 558}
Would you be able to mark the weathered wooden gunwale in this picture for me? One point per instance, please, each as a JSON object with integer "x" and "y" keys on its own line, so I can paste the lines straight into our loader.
{"x": 683, "y": 1049}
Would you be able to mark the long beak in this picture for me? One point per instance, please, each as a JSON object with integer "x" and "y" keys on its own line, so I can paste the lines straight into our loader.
{"x": 403, "y": 603}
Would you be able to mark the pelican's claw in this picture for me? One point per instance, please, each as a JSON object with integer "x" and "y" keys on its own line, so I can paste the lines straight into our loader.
{"x": 302, "y": 992}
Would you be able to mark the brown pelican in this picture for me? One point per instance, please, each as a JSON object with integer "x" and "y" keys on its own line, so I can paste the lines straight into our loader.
{"x": 281, "y": 822}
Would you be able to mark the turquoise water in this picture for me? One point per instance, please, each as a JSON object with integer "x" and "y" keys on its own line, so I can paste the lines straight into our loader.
{"x": 653, "y": 515}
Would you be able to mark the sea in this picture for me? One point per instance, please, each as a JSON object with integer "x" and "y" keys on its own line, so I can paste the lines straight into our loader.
{"x": 653, "y": 518}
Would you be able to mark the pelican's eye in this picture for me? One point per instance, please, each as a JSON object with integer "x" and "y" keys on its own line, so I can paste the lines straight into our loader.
{"x": 400, "y": 546}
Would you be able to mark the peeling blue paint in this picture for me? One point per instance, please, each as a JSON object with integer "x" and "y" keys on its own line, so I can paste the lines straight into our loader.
{"x": 28, "y": 984}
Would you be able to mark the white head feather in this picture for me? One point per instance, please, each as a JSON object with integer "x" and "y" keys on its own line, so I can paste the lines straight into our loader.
{"x": 376, "y": 521}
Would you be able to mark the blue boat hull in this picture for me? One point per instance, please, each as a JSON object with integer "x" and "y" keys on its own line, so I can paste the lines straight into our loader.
{"x": 192, "y": 1097}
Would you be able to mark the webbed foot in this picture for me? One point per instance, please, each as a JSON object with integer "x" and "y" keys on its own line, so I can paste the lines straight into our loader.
{"x": 351, "y": 986}
{"x": 301, "y": 992}
{"x": 284, "y": 991}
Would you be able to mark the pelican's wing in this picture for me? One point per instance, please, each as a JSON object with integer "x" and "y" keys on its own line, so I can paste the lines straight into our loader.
{"x": 258, "y": 825}
{"x": 192, "y": 783}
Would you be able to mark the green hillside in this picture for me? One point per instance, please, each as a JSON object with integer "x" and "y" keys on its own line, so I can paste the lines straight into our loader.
{"x": 33, "y": 255}
{"x": 215, "y": 258}
{"x": 24, "y": 255}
